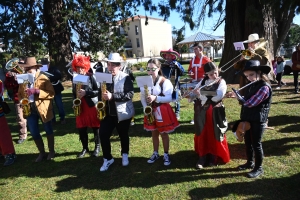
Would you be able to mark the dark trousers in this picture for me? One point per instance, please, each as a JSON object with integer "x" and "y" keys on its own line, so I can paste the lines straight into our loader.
{"x": 84, "y": 138}
{"x": 278, "y": 78}
{"x": 296, "y": 83}
{"x": 253, "y": 143}
{"x": 107, "y": 125}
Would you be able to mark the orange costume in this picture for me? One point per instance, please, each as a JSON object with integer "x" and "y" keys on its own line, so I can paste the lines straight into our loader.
{"x": 196, "y": 67}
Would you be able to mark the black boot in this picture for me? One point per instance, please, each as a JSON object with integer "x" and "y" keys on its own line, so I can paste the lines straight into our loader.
{"x": 40, "y": 145}
{"x": 83, "y": 136}
{"x": 50, "y": 139}
{"x": 255, "y": 172}
{"x": 97, "y": 142}
{"x": 247, "y": 165}
{"x": 201, "y": 162}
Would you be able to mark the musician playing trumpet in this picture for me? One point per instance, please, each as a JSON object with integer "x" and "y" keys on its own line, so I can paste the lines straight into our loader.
{"x": 210, "y": 121}
{"x": 88, "y": 94}
{"x": 255, "y": 109}
{"x": 159, "y": 97}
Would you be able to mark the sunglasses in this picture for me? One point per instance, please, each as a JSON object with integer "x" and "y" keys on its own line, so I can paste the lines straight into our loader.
{"x": 151, "y": 69}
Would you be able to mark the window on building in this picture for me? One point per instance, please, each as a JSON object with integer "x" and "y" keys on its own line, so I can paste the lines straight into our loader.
{"x": 136, "y": 30}
{"x": 128, "y": 28}
{"x": 137, "y": 42}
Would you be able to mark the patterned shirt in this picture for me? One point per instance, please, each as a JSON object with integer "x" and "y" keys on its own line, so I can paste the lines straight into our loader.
{"x": 262, "y": 94}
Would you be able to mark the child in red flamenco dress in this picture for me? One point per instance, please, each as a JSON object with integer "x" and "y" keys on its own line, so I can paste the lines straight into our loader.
{"x": 210, "y": 122}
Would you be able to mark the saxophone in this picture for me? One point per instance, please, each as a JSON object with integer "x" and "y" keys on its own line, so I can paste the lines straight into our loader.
{"x": 25, "y": 101}
{"x": 101, "y": 104}
{"x": 148, "y": 108}
{"x": 77, "y": 101}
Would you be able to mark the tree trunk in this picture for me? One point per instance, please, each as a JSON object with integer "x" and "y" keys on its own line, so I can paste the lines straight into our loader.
{"x": 250, "y": 16}
{"x": 58, "y": 32}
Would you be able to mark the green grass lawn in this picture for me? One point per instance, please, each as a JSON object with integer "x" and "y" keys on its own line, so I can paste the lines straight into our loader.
{"x": 70, "y": 178}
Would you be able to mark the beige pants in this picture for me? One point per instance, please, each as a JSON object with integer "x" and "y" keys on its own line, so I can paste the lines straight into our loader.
{"x": 21, "y": 121}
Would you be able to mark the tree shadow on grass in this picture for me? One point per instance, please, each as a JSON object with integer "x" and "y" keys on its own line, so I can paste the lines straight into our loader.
{"x": 280, "y": 188}
{"x": 280, "y": 120}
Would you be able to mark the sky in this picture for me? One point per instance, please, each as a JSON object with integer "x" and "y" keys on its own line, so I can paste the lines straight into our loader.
{"x": 176, "y": 22}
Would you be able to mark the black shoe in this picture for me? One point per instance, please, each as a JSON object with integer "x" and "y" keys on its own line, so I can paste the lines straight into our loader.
{"x": 82, "y": 153}
{"x": 9, "y": 159}
{"x": 96, "y": 151}
{"x": 246, "y": 166}
{"x": 20, "y": 141}
{"x": 255, "y": 173}
{"x": 296, "y": 92}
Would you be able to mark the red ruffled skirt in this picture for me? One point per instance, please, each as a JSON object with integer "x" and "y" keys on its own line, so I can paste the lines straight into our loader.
{"x": 165, "y": 119}
{"x": 206, "y": 142}
{"x": 88, "y": 116}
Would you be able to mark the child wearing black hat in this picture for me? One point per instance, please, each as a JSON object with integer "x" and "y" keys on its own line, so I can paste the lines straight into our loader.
{"x": 255, "y": 109}
{"x": 210, "y": 122}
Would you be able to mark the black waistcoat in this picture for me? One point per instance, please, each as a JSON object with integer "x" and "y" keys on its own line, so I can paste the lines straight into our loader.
{"x": 260, "y": 112}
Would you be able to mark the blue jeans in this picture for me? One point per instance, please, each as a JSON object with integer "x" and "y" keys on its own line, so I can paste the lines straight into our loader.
{"x": 60, "y": 107}
{"x": 33, "y": 125}
{"x": 177, "y": 107}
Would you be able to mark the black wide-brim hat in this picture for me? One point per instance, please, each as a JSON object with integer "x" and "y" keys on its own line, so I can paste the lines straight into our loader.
{"x": 254, "y": 65}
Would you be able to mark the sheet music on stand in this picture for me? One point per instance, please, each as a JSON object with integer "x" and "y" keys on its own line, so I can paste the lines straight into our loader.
{"x": 82, "y": 79}
{"x": 144, "y": 80}
{"x": 101, "y": 77}
{"x": 239, "y": 46}
{"x": 21, "y": 78}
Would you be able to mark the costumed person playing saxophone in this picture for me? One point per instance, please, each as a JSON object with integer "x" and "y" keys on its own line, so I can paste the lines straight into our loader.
{"x": 255, "y": 109}
{"x": 12, "y": 87}
{"x": 210, "y": 121}
{"x": 39, "y": 96}
{"x": 172, "y": 70}
{"x": 161, "y": 120}
{"x": 85, "y": 111}
{"x": 119, "y": 110}
{"x": 6, "y": 144}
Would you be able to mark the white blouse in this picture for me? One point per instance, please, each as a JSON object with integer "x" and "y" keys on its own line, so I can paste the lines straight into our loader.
{"x": 156, "y": 90}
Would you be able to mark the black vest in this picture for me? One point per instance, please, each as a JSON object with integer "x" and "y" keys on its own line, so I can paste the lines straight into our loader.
{"x": 260, "y": 112}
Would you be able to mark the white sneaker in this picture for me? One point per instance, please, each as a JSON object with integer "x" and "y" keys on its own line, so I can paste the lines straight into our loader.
{"x": 125, "y": 160}
{"x": 106, "y": 164}
{"x": 192, "y": 122}
{"x": 277, "y": 88}
{"x": 153, "y": 158}
{"x": 166, "y": 159}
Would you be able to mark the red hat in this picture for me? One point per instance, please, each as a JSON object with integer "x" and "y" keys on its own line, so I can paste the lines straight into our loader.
{"x": 170, "y": 51}
{"x": 81, "y": 61}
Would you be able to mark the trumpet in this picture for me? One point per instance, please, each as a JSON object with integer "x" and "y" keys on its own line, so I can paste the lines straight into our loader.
{"x": 25, "y": 101}
{"x": 77, "y": 101}
{"x": 101, "y": 104}
{"x": 13, "y": 65}
{"x": 148, "y": 109}
{"x": 197, "y": 87}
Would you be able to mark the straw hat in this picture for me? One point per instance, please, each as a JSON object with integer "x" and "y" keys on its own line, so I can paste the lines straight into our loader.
{"x": 114, "y": 57}
{"x": 252, "y": 38}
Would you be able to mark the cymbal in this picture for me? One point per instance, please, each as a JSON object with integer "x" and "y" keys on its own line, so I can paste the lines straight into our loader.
{"x": 186, "y": 80}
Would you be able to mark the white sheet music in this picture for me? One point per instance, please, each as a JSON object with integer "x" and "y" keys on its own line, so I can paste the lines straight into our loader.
{"x": 44, "y": 68}
{"x": 101, "y": 77}
{"x": 78, "y": 78}
{"x": 144, "y": 80}
{"x": 24, "y": 77}
{"x": 239, "y": 46}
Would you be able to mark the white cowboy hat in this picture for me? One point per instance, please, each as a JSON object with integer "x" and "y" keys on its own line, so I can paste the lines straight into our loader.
{"x": 114, "y": 57}
{"x": 252, "y": 38}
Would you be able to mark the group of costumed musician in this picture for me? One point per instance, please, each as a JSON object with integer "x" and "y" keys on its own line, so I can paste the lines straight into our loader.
{"x": 172, "y": 70}
{"x": 165, "y": 121}
{"x": 209, "y": 118}
{"x": 12, "y": 86}
{"x": 40, "y": 94}
{"x": 55, "y": 77}
{"x": 6, "y": 144}
{"x": 88, "y": 94}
